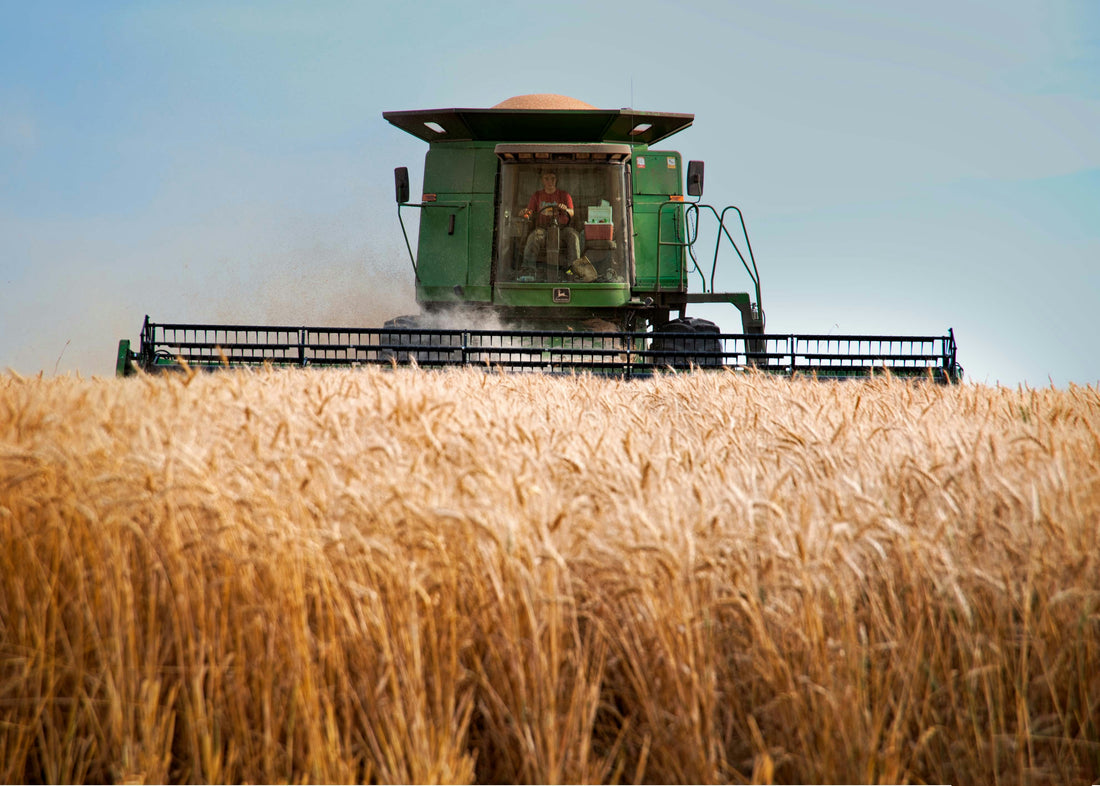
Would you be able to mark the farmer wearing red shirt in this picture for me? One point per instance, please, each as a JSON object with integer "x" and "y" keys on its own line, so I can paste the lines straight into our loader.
{"x": 550, "y": 204}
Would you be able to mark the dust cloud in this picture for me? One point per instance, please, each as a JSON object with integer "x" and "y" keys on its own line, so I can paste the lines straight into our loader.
{"x": 86, "y": 287}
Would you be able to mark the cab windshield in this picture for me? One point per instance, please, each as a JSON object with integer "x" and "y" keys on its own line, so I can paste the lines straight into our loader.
{"x": 562, "y": 221}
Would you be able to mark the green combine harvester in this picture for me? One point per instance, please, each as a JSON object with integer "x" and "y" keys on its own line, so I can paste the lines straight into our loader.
{"x": 554, "y": 237}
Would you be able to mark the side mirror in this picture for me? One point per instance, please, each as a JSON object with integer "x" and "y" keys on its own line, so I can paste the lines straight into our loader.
{"x": 401, "y": 184}
{"x": 695, "y": 178}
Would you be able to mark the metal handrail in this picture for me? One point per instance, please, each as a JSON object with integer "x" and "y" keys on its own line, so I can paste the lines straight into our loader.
{"x": 692, "y": 236}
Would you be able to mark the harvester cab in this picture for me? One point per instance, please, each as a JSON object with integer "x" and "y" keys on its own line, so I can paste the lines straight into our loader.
{"x": 554, "y": 236}
{"x": 550, "y": 216}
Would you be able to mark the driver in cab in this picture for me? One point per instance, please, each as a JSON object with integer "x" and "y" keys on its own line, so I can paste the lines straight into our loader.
{"x": 548, "y": 205}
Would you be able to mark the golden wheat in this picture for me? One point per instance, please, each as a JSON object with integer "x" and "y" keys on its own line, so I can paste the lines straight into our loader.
{"x": 401, "y": 576}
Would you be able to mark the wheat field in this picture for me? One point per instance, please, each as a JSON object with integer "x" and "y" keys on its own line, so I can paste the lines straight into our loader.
{"x": 460, "y": 576}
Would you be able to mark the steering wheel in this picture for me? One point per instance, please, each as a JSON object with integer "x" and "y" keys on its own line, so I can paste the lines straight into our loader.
{"x": 551, "y": 210}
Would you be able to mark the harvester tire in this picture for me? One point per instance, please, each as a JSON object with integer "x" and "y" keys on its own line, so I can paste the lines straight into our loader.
{"x": 392, "y": 343}
{"x": 703, "y": 349}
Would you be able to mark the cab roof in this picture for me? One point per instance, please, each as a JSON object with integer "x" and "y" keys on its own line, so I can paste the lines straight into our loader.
{"x": 528, "y": 119}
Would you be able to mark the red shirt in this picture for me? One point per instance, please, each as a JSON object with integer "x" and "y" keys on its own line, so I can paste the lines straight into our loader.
{"x": 541, "y": 199}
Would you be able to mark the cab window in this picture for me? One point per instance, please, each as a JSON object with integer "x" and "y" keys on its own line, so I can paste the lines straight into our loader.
{"x": 562, "y": 221}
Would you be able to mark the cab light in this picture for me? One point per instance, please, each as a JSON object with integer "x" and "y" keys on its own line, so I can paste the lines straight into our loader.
{"x": 428, "y": 198}
{"x": 676, "y": 198}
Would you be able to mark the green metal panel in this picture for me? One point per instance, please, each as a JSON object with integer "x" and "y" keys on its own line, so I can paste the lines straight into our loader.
{"x": 657, "y": 173}
{"x": 457, "y": 167}
{"x": 443, "y": 251}
{"x": 657, "y": 176}
{"x": 447, "y": 294}
{"x": 481, "y": 241}
{"x": 448, "y": 169}
{"x": 122, "y": 360}
{"x": 579, "y": 295}
{"x": 456, "y": 229}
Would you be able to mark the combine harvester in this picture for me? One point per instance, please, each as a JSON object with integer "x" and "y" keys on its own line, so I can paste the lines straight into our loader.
{"x": 555, "y": 238}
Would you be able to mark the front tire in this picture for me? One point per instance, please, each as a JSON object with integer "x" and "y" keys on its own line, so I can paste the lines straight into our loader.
{"x": 406, "y": 345}
{"x": 697, "y": 345}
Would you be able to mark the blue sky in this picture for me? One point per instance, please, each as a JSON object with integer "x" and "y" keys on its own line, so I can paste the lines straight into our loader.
{"x": 903, "y": 167}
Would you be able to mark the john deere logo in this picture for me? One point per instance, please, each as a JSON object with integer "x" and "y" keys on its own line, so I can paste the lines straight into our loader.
{"x": 561, "y": 294}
